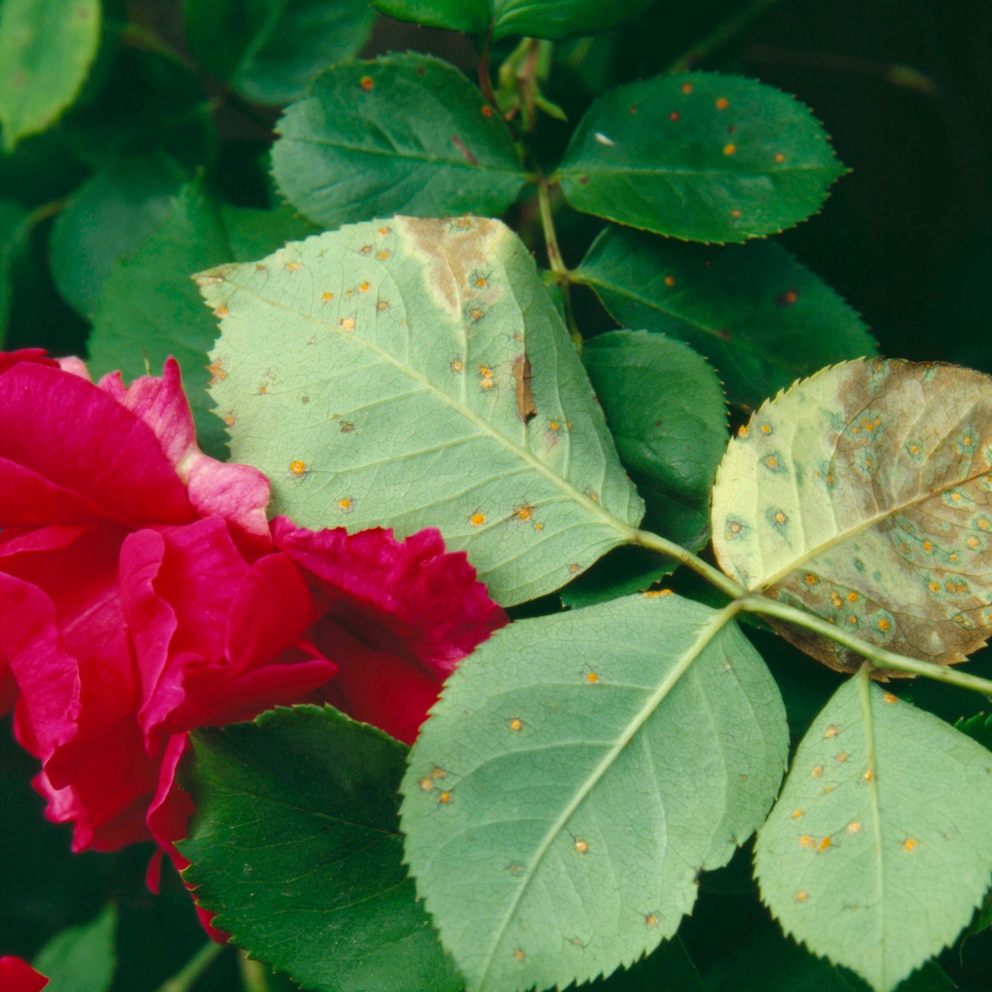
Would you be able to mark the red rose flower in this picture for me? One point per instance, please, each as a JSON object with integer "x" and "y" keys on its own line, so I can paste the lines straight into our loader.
{"x": 18, "y": 976}
{"x": 143, "y": 594}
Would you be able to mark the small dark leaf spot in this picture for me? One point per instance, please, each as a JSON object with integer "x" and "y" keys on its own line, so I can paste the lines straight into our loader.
{"x": 687, "y": 88}
{"x": 675, "y": 116}
{"x": 788, "y": 298}
{"x": 583, "y": 180}
{"x": 366, "y": 83}
{"x": 730, "y": 149}
{"x": 437, "y": 773}
{"x": 487, "y": 111}
{"x": 632, "y": 109}
{"x": 669, "y": 280}
{"x": 735, "y": 214}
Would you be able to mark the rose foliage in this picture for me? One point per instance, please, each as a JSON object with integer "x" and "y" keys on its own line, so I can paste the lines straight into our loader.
{"x": 143, "y": 593}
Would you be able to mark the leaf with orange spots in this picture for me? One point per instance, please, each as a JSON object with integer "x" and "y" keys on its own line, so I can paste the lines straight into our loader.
{"x": 399, "y": 134}
{"x": 701, "y": 157}
{"x": 760, "y": 317}
{"x": 878, "y": 850}
{"x": 596, "y": 760}
{"x": 864, "y": 495}
{"x": 295, "y": 846}
{"x": 548, "y": 19}
{"x": 383, "y": 357}
{"x": 46, "y": 50}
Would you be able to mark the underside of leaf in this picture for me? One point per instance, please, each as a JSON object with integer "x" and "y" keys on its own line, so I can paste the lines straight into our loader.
{"x": 864, "y": 495}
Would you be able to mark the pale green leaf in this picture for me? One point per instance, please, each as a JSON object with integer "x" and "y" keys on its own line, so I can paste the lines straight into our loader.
{"x": 401, "y": 134}
{"x": 545, "y": 19}
{"x": 379, "y": 376}
{"x": 81, "y": 959}
{"x": 762, "y": 318}
{"x": 576, "y": 776}
{"x": 864, "y": 495}
{"x": 269, "y": 50}
{"x": 701, "y": 157}
{"x": 46, "y": 49}
{"x": 879, "y": 850}
{"x": 13, "y": 243}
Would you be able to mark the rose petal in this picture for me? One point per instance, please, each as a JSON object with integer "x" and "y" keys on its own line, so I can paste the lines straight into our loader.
{"x": 410, "y": 597}
{"x": 60, "y": 434}
{"x": 18, "y": 976}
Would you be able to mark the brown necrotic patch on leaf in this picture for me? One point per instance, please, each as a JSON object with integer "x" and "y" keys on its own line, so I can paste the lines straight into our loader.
{"x": 876, "y": 477}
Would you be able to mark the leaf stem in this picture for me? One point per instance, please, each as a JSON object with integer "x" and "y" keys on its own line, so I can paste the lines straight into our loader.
{"x": 558, "y": 267}
{"x": 646, "y": 539}
{"x": 254, "y": 977}
{"x": 189, "y": 974}
{"x": 879, "y": 657}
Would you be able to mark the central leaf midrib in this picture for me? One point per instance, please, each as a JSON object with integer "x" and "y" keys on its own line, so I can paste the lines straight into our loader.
{"x": 671, "y": 679}
{"x": 485, "y": 427}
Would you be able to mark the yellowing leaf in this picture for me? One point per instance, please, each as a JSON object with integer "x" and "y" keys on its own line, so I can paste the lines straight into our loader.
{"x": 864, "y": 495}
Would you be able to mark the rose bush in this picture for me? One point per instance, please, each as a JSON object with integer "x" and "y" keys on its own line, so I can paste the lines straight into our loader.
{"x": 143, "y": 593}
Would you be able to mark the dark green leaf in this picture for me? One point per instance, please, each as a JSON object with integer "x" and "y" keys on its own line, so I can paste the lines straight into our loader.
{"x": 81, "y": 959}
{"x": 668, "y": 969}
{"x": 665, "y": 408}
{"x": 295, "y": 846}
{"x": 578, "y": 772}
{"x": 547, "y": 19}
{"x": 622, "y": 572}
{"x": 402, "y": 134}
{"x": 978, "y": 727}
{"x": 107, "y": 219}
{"x": 701, "y": 157}
{"x": 13, "y": 241}
{"x": 754, "y": 311}
{"x": 150, "y": 308}
{"x": 269, "y": 50}
{"x": 46, "y": 49}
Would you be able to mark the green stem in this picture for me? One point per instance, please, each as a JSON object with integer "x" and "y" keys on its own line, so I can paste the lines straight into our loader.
{"x": 712, "y": 575}
{"x": 723, "y": 34}
{"x": 187, "y": 976}
{"x": 555, "y": 260}
{"x": 879, "y": 657}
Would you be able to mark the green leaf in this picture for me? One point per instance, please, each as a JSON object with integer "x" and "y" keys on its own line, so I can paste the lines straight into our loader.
{"x": 150, "y": 308}
{"x": 295, "y": 847}
{"x": 864, "y": 495}
{"x": 576, "y": 776}
{"x": 762, "y": 318}
{"x": 108, "y": 218}
{"x": 46, "y": 49}
{"x": 81, "y": 959}
{"x": 666, "y": 410}
{"x": 13, "y": 242}
{"x": 978, "y": 727}
{"x": 701, "y": 157}
{"x": 623, "y": 572}
{"x": 379, "y": 376}
{"x": 669, "y": 968}
{"x": 269, "y": 52}
{"x": 878, "y": 851}
{"x": 401, "y": 134}
{"x": 548, "y": 19}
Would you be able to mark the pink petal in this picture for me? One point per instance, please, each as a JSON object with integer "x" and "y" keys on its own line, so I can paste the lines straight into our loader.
{"x": 18, "y": 976}
{"x": 70, "y": 446}
{"x": 407, "y": 596}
